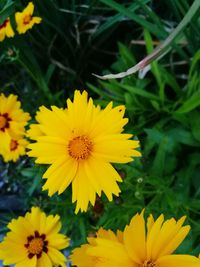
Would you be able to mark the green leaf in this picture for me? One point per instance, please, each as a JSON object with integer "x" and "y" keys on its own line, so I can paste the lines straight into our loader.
{"x": 138, "y": 19}
{"x": 117, "y": 18}
{"x": 181, "y": 135}
{"x": 7, "y": 11}
{"x": 194, "y": 120}
{"x": 190, "y": 104}
{"x": 139, "y": 91}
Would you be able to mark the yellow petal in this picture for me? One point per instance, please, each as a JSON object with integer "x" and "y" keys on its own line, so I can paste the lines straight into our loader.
{"x": 56, "y": 257}
{"x": 171, "y": 235}
{"x": 134, "y": 239}
{"x": 82, "y": 190}
{"x": 59, "y": 175}
{"x": 152, "y": 235}
{"x": 43, "y": 261}
{"x": 111, "y": 252}
{"x": 178, "y": 260}
{"x": 29, "y": 9}
{"x": 103, "y": 177}
{"x": 28, "y": 263}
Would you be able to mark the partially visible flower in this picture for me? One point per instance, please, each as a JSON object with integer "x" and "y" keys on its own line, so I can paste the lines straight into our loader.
{"x": 12, "y": 118}
{"x": 6, "y": 30}
{"x": 25, "y": 19}
{"x": 34, "y": 240}
{"x": 13, "y": 148}
{"x": 80, "y": 142}
{"x": 80, "y": 256}
{"x": 141, "y": 244}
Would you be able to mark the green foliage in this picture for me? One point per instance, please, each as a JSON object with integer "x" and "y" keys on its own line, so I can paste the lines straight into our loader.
{"x": 78, "y": 38}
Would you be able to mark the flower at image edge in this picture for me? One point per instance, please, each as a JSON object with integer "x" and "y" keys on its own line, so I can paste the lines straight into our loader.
{"x": 34, "y": 241}
{"x": 25, "y": 19}
{"x": 12, "y": 118}
{"x": 141, "y": 244}
{"x": 80, "y": 142}
{"x": 80, "y": 256}
{"x": 6, "y": 30}
{"x": 13, "y": 148}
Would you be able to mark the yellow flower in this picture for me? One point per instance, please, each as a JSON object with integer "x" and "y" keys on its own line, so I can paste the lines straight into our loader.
{"x": 80, "y": 142}
{"x": 34, "y": 241}
{"x": 6, "y": 30}
{"x": 12, "y": 117}
{"x": 12, "y": 148}
{"x": 80, "y": 257}
{"x": 142, "y": 245}
{"x": 25, "y": 19}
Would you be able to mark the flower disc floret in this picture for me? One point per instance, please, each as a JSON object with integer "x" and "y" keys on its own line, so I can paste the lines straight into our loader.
{"x": 80, "y": 147}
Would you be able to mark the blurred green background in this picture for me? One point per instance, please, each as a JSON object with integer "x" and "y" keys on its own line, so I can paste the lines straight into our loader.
{"x": 78, "y": 38}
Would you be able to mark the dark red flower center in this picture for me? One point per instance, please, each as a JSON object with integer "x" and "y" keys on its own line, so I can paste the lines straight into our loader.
{"x": 4, "y": 24}
{"x": 36, "y": 244}
{"x": 27, "y": 19}
{"x": 148, "y": 263}
{"x": 4, "y": 121}
{"x": 13, "y": 145}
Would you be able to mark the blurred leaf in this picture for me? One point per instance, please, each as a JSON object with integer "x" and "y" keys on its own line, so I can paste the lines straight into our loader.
{"x": 7, "y": 10}
{"x": 190, "y": 104}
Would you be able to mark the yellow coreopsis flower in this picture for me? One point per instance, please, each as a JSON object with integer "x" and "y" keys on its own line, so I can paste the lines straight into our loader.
{"x": 25, "y": 19}
{"x": 80, "y": 142}
{"x": 143, "y": 244}
{"x": 6, "y": 30}
{"x": 34, "y": 241}
{"x": 80, "y": 257}
{"x": 12, "y": 148}
{"x": 12, "y": 118}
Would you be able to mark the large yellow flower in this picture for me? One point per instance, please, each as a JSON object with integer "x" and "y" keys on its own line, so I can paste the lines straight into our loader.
{"x": 12, "y": 148}
{"x": 34, "y": 241}
{"x": 25, "y": 19}
{"x": 12, "y": 117}
{"x": 6, "y": 30}
{"x": 142, "y": 245}
{"x": 80, "y": 142}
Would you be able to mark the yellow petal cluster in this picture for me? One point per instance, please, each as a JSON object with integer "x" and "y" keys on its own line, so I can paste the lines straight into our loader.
{"x": 6, "y": 30}
{"x": 34, "y": 241}
{"x": 12, "y": 128}
{"x": 25, "y": 19}
{"x": 80, "y": 143}
{"x": 142, "y": 244}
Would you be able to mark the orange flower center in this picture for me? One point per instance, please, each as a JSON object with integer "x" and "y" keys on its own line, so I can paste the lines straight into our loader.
{"x": 27, "y": 19}
{"x": 3, "y": 122}
{"x": 4, "y": 24}
{"x": 13, "y": 145}
{"x": 148, "y": 263}
{"x": 36, "y": 244}
{"x": 80, "y": 147}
